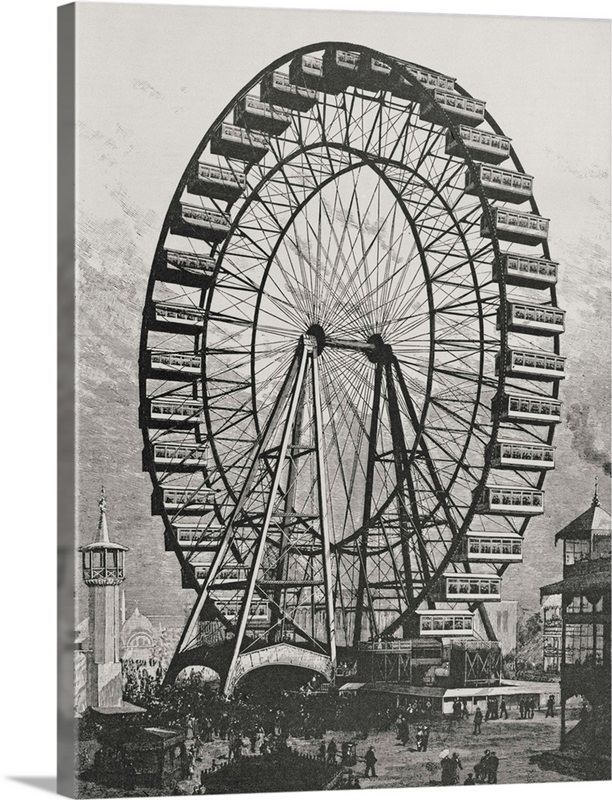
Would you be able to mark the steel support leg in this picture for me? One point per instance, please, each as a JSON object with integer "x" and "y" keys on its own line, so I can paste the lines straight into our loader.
{"x": 255, "y": 565}
{"x": 323, "y": 511}
{"x": 367, "y": 512}
{"x": 189, "y": 634}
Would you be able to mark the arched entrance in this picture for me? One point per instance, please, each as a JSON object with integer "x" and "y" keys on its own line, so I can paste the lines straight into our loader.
{"x": 295, "y": 663}
{"x": 269, "y": 681}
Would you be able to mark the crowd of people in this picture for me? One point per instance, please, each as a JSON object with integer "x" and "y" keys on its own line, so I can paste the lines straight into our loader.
{"x": 485, "y": 771}
{"x": 450, "y": 766}
{"x": 255, "y": 723}
{"x": 527, "y": 708}
{"x": 414, "y": 715}
{"x": 262, "y": 723}
{"x": 496, "y": 708}
{"x": 142, "y": 680}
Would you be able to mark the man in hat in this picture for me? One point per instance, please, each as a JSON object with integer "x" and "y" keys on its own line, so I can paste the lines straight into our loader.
{"x": 493, "y": 767}
{"x": 370, "y": 761}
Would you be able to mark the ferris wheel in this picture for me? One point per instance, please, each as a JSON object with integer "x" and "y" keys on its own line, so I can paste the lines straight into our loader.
{"x": 349, "y": 363}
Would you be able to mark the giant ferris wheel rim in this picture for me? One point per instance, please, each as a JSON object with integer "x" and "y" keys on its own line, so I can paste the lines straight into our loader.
{"x": 218, "y": 252}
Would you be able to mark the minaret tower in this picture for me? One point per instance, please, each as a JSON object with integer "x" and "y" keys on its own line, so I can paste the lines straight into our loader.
{"x": 103, "y": 572}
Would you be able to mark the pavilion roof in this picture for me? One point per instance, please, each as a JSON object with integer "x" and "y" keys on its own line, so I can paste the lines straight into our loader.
{"x": 594, "y": 521}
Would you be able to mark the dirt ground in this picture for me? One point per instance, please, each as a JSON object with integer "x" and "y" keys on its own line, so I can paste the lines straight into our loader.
{"x": 513, "y": 740}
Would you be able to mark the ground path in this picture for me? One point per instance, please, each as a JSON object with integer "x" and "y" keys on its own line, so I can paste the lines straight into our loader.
{"x": 513, "y": 740}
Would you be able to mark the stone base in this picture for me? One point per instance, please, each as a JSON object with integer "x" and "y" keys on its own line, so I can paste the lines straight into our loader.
{"x": 104, "y": 684}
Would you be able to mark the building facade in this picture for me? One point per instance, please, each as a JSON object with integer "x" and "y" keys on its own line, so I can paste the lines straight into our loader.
{"x": 585, "y": 630}
{"x": 552, "y": 625}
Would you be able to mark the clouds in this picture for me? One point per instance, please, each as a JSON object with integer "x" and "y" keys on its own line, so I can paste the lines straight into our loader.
{"x": 585, "y": 441}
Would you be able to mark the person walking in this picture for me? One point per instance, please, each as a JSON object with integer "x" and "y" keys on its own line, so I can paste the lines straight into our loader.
{"x": 456, "y": 768}
{"x": 481, "y": 769}
{"x": 404, "y": 732}
{"x": 332, "y": 749}
{"x": 477, "y": 720}
{"x": 522, "y": 708}
{"x": 261, "y": 735}
{"x": 370, "y": 762}
{"x": 420, "y": 735}
{"x": 447, "y": 767}
{"x": 399, "y": 724}
{"x": 493, "y": 767}
{"x": 503, "y": 711}
{"x": 425, "y": 738}
{"x": 550, "y": 706}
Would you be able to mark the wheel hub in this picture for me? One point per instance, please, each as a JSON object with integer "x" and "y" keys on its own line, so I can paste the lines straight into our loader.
{"x": 375, "y": 348}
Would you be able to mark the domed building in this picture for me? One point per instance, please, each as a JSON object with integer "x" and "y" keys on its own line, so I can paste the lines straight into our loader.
{"x": 138, "y": 637}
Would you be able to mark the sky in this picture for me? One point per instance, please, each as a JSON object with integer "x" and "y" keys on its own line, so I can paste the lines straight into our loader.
{"x": 151, "y": 79}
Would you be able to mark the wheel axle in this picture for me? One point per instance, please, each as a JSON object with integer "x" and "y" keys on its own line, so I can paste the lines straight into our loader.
{"x": 375, "y": 348}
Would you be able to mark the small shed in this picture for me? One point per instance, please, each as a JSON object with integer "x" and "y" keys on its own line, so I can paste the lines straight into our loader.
{"x": 511, "y": 691}
{"x": 152, "y": 757}
{"x": 398, "y": 694}
{"x": 350, "y": 688}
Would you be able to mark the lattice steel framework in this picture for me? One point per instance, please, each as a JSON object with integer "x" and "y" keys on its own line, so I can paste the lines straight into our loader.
{"x": 320, "y": 402}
